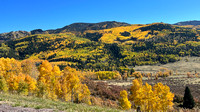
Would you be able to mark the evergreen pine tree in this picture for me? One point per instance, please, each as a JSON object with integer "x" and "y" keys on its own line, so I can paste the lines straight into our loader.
{"x": 188, "y": 101}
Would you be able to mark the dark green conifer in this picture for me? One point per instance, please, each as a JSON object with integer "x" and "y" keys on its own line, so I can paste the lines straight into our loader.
{"x": 188, "y": 101}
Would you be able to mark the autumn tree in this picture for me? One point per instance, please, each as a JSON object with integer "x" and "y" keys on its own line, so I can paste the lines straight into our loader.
{"x": 48, "y": 79}
{"x": 45, "y": 72}
{"x": 51, "y": 82}
{"x": 3, "y": 84}
{"x": 145, "y": 98}
{"x": 164, "y": 95}
{"x": 136, "y": 85}
{"x": 124, "y": 103}
{"x": 158, "y": 98}
{"x": 9, "y": 67}
{"x": 29, "y": 68}
{"x": 72, "y": 88}
{"x": 11, "y": 74}
{"x": 31, "y": 83}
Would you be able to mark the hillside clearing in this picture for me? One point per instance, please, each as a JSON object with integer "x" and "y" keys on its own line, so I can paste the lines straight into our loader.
{"x": 186, "y": 64}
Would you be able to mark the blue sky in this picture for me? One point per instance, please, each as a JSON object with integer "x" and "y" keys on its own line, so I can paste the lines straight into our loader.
{"x": 51, "y": 14}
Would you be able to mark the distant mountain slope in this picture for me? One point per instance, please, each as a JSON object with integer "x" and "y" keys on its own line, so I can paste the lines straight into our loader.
{"x": 13, "y": 35}
{"x": 75, "y": 27}
{"x": 108, "y": 49}
{"x": 81, "y": 27}
{"x": 184, "y": 23}
{"x": 129, "y": 34}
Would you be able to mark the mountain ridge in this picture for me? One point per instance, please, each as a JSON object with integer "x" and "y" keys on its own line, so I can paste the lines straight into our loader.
{"x": 80, "y": 27}
{"x": 184, "y": 23}
{"x": 74, "y": 27}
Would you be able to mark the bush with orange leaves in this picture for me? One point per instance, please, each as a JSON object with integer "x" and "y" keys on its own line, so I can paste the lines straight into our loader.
{"x": 189, "y": 75}
{"x": 137, "y": 75}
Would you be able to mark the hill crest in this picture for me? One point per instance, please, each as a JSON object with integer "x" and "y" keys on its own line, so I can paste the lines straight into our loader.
{"x": 184, "y": 23}
{"x": 75, "y": 27}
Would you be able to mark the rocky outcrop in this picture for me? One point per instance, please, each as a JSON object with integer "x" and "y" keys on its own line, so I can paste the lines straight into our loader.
{"x": 13, "y": 35}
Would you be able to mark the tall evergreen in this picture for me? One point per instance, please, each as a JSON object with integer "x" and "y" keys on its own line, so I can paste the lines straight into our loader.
{"x": 188, "y": 101}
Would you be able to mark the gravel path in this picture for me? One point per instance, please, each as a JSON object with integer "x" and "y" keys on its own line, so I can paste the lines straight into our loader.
{"x": 8, "y": 108}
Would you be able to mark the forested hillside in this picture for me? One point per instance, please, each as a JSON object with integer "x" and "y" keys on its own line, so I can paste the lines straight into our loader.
{"x": 108, "y": 49}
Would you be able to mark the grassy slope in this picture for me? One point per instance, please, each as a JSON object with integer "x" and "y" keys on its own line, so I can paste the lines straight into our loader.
{"x": 39, "y": 103}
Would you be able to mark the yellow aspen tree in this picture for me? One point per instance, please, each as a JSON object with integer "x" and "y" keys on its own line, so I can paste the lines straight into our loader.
{"x": 3, "y": 84}
{"x": 49, "y": 77}
{"x": 9, "y": 67}
{"x": 70, "y": 83}
{"x": 84, "y": 94}
{"x": 13, "y": 83}
{"x": 10, "y": 70}
{"x": 56, "y": 71}
{"x": 164, "y": 95}
{"x": 137, "y": 84}
{"x": 54, "y": 84}
{"x": 124, "y": 103}
{"x": 157, "y": 99}
{"x": 2, "y": 67}
{"x": 145, "y": 98}
{"x": 31, "y": 83}
{"x": 72, "y": 88}
{"x": 45, "y": 72}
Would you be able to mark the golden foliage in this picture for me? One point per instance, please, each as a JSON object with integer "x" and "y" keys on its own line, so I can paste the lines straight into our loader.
{"x": 137, "y": 84}
{"x": 51, "y": 83}
{"x": 107, "y": 75}
{"x": 158, "y": 98}
{"x": 123, "y": 101}
{"x": 72, "y": 88}
{"x": 165, "y": 97}
{"x": 3, "y": 84}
